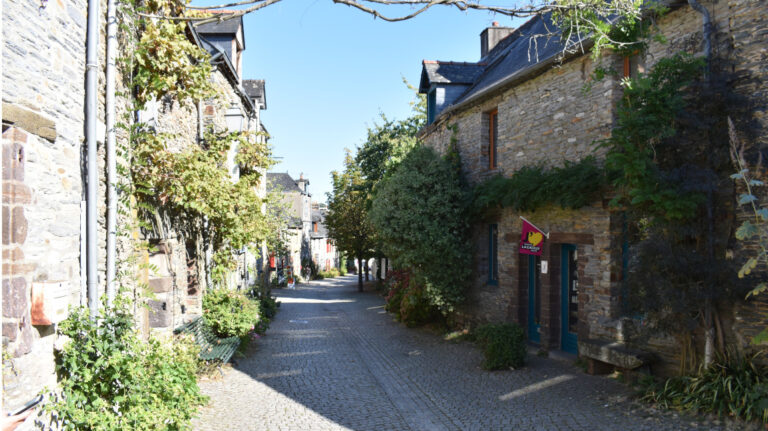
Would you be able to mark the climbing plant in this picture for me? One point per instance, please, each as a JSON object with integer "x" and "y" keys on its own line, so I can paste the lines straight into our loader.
{"x": 192, "y": 185}
{"x": 669, "y": 172}
{"x": 646, "y": 116}
{"x": 195, "y": 182}
{"x": 754, "y": 228}
{"x": 573, "y": 185}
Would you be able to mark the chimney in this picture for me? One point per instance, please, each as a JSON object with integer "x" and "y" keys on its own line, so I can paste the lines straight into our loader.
{"x": 491, "y": 36}
{"x": 302, "y": 183}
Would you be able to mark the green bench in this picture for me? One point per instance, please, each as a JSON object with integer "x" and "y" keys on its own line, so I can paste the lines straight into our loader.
{"x": 212, "y": 348}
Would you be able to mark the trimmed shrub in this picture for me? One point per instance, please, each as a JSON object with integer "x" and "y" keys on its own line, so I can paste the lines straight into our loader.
{"x": 503, "y": 345}
{"x": 331, "y": 273}
{"x": 230, "y": 313}
{"x": 415, "y": 309}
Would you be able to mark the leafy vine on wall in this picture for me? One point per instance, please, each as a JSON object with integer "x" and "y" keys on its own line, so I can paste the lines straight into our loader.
{"x": 193, "y": 184}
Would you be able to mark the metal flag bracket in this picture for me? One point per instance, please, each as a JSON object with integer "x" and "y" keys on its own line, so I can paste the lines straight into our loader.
{"x": 537, "y": 228}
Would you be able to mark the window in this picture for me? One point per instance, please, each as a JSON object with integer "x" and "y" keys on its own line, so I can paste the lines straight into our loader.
{"x": 493, "y": 254}
{"x": 431, "y": 105}
{"x": 493, "y": 137}
{"x": 633, "y": 66}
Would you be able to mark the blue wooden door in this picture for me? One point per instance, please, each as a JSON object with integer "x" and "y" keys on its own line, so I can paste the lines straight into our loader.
{"x": 569, "y": 299}
{"x": 534, "y": 298}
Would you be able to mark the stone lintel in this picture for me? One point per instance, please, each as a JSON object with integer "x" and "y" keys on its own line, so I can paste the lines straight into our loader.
{"x": 161, "y": 285}
{"x": 31, "y": 121}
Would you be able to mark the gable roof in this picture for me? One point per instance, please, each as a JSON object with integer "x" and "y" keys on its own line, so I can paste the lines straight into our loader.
{"x": 224, "y": 64}
{"x": 534, "y": 44}
{"x": 522, "y": 55}
{"x": 281, "y": 181}
{"x": 255, "y": 89}
{"x": 448, "y": 72}
{"x": 229, "y": 27}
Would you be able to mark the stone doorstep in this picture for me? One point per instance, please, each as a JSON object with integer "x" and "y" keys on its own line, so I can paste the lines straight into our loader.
{"x": 604, "y": 355}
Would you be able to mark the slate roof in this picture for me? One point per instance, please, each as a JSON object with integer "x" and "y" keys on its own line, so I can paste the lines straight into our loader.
{"x": 515, "y": 58}
{"x": 282, "y": 180}
{"x": 255, "y": 89}
{"x": 526, "y": 49}
{"x": 448, "y": 72}
{"x": 230, "y": 26}
{"x": 223, "y": 62}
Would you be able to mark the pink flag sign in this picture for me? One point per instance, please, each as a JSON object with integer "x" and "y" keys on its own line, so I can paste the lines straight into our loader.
{"x": 531, "y": 240}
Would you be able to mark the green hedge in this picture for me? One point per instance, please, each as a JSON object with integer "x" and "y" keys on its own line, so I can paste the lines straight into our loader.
{"x": 503, "y": 345}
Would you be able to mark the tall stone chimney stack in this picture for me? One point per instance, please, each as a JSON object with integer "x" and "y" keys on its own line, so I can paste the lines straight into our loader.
{"x": 492, "y": 36}
{"x": 302, "y": 183}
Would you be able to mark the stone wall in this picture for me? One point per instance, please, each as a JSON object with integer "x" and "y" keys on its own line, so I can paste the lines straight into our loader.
{"x": 747, "y": 62}
{"x": 546, "y": 121}
{"x": 43, "y": 49}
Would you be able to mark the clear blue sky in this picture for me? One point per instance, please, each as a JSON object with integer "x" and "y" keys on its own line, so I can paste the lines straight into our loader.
{"x": 330, "y": 70}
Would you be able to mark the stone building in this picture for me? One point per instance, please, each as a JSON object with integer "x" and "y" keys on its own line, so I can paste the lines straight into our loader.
{"x": 44, "y": 181}
{"x": 298, "y": 200}
{"x": 324, "y": 252}
{"x": 523, "y": 104}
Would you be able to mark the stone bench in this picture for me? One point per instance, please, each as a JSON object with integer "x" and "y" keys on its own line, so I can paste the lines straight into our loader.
{"x": 212, "y": 348}
{"x": 602, "y": 356}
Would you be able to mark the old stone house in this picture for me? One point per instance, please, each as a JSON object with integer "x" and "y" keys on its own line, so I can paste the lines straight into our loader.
{"x": 522, "y": 104}
{"x": 324, "y": 252}
{"x": 44, "y": 183}
{"x": 297, "y": 199}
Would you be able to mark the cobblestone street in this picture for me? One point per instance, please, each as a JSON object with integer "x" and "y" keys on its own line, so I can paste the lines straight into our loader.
{"x": 334, "y": 360}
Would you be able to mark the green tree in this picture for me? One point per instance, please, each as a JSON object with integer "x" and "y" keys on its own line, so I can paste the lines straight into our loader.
{"x": 387, "y": 144}
{"x": 421, "y": 218}
{"x": 347, "y": 218}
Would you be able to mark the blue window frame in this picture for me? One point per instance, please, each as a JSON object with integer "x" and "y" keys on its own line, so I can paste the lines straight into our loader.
{"x": 534, "y": 298}
{"x": 431, "y": 105}
{"x": 493, "y": 254}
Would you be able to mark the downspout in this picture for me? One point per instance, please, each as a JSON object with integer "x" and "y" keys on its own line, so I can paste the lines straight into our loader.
{"x": 709, "y": 305}
{"x": 707, "y": 30}
{"x": 92, "y": 176}
{"x": 111, "y": 153}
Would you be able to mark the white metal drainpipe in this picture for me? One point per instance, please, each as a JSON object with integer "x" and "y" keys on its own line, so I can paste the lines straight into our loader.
{"x": 92, "y": 177}
{"x": 111, "y": 153}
